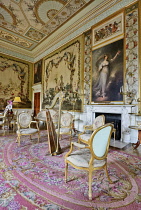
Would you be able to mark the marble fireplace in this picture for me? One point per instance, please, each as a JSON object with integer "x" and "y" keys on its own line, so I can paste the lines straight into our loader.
{"x": 121, "y": 115}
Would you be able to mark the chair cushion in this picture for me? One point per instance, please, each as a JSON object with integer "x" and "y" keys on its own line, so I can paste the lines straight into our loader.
{"x": 81, "y": 158}
{"x": 85, "y": 136}
{"x": 27, "y": 131}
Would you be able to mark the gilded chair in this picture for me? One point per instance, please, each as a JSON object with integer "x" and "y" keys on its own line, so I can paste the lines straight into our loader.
{"x": 41, "y": 116}
{"x": 3, "y": 119}
{"x": 24, "y": 122}
{"x": 85, "y": 137}
{"x": 91, "y": 157}
{"x": 66, "y": 125}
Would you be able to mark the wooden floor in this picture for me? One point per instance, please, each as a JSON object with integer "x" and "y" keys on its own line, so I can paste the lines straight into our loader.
{"x": 128, "y": 148}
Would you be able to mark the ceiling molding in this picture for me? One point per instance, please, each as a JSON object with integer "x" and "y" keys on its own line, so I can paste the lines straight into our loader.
{"x": 81, "y": 21}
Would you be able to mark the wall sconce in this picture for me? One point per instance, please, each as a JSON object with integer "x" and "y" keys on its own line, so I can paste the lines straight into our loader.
{"x": 139, "y": 105}
{"x": 130, "y": 94}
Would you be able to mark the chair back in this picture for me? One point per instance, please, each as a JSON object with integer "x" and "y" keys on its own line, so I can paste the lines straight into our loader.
{"x": 24, "y": 119}
{"x": 66, "y": 120}
{"x": 41, "y": 114}
{"x": 98, "y": 121}
{"x": 54, "y": 115}
{"x": 100, "y": 140}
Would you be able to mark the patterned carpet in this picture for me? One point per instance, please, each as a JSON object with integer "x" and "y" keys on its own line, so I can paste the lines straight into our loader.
{"x": 32, "y": 179}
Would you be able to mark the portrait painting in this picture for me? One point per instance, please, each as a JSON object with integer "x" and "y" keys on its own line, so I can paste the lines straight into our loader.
{"x": 38, "y": 72}
{"x": 107, "y": 72}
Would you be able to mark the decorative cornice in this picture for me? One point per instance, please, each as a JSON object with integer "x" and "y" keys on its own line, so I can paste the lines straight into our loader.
{"x": 83, "y": 21}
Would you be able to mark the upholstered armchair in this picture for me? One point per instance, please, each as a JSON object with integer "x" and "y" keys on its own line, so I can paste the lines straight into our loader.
{"x": 41, "y": 116}
{"x": 66, "y": 125}
{"x": 91, "y": 157}
{"x": 85, "y": 137}
{"x": 24, "y": 122}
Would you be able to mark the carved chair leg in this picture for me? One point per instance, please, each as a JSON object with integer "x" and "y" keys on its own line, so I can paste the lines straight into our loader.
{"x": 78, "y": 140}
{"x": 70, "y": 139}
{"x": 66, "y": 171}
{"x": 38, "y": 137}
{"x": 114, "y": 135}
{"x": 90, "y": 185}
{"x": 18, "y": 140}
{"x": 110, "y": 181}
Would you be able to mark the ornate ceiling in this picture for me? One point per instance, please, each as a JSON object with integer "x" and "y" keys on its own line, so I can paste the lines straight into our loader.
{"x": 27, "y": 23}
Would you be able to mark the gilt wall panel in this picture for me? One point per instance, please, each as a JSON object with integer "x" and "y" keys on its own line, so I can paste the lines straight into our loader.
{"x": 131, "y": 40}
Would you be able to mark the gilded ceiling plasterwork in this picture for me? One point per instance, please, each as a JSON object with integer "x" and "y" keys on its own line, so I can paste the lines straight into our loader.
{"x": 35, "y": 20}
{"x": 14, "y": 39}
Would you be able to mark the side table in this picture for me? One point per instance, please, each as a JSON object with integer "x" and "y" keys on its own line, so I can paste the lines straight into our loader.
{"x": 136, "y": 145}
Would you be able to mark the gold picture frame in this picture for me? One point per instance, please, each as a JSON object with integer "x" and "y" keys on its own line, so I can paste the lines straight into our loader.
{"x": 107, "y": 73}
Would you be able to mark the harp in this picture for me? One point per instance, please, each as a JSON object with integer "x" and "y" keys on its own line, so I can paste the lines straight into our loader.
{"x": 53, "y": 137}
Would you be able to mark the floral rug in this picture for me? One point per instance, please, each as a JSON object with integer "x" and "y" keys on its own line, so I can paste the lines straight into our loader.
{"x": 32, "y": 179}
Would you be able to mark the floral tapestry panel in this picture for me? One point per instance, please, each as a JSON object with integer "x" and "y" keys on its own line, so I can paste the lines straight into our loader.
{"x": 132, "y": 48}
{"x": 14, "y": 81}
{"x": 87, "y": 66}
{"x": 63, "y": 72}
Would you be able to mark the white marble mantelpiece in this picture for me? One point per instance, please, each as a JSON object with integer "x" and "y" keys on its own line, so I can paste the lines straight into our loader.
{"x": 127, "y": 118}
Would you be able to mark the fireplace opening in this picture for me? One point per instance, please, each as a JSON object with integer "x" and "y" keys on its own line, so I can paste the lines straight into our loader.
{"x": 115, "y": 119}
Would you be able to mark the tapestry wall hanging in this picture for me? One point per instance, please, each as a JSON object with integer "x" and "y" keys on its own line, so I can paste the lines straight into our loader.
{"x": 107, "y": 73}
{"x": 14, "y": 81}
{"x": 63, "y": 72}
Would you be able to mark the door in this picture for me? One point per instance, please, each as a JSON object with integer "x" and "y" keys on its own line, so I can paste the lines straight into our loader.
{"x": 36, "y": 103}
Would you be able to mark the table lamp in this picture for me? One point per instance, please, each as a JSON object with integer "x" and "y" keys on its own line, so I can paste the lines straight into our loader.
{"x": 17, "y": 100}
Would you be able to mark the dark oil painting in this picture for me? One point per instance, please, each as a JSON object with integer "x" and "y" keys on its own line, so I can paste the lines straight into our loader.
{"x": 38, "y": 72}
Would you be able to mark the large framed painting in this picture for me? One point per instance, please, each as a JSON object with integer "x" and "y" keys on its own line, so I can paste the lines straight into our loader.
{"x": 38, "y": 72}
{"x": 110, "y": 29}
{"x": 63, "y": 72}
{"x": 107, "y": 72}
